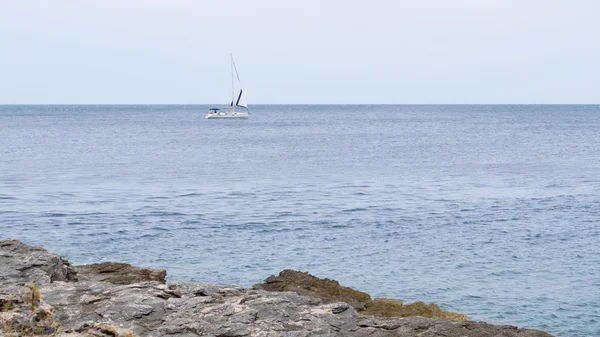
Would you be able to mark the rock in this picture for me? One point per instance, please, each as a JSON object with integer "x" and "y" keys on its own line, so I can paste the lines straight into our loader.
{"x": 330, "y": 290}
{"x": 152, "y": 309}
{"x": 24, "y": 313}
{"x": 101, "y": 330}
{"x": 181, "y": 309}
{"x": 119, "y": 273}
{"x": 395, "y": 308}
{"x": 21, "y": 263}
{"x": 309, "y": 285}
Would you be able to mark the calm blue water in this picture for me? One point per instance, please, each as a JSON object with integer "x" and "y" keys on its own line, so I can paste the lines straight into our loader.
{"x": 488, "y": 210}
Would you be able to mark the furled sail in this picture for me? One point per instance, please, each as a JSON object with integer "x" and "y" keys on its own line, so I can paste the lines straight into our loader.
{"x": 241, "y": 101}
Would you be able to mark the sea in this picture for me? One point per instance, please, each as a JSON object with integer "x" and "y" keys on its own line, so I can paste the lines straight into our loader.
{"x": 488, "y": 210}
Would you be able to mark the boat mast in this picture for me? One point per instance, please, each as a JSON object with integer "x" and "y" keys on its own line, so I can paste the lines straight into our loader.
{"x": 232, "y": 89}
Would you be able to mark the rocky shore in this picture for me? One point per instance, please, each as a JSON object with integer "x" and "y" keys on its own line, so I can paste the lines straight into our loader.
{"x": 42, "y": 294}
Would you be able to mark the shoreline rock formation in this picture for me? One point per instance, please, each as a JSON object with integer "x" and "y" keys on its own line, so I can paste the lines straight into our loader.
{"x": 43, "y": 294}
{"x": 119, "y": 273}
{"x": 331, "y": 291}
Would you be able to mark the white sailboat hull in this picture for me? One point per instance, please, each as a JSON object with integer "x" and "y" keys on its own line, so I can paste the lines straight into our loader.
{"x": 227, "y": 115}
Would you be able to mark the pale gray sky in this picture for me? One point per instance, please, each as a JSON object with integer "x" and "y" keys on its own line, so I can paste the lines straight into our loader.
{"x": 309, "y": 51}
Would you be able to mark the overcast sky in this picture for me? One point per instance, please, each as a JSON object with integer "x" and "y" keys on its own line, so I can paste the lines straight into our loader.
{"x": 309, "y": 51}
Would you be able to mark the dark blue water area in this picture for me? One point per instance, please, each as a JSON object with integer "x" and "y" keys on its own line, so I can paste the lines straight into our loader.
{"x": 488, "y": 210}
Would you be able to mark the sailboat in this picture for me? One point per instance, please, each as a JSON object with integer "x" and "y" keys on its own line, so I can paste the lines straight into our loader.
{"x": 240, "y": 102}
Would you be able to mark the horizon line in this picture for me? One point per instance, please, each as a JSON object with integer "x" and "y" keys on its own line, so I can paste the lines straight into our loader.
{"x": 212, "y": 104}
